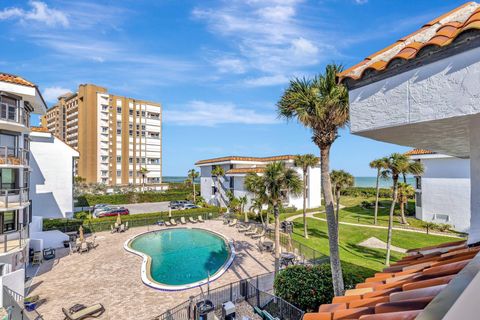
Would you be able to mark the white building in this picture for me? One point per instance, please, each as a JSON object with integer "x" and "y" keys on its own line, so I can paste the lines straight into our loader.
{"x": 236, "y": 168}
{"x": 51, "y": 179}
{"x": 442, "y": 193}
{"x": 423, "y": 91}
{"x": 18, "y": 99}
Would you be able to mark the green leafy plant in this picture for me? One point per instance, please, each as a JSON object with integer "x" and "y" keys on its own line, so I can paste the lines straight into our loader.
{"x": 307, "y": 287}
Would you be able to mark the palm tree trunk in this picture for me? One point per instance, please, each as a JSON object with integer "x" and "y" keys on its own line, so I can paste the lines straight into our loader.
{"x": 305, "y": 229}
{"x": 261, "y": 217}
{"x": 243, "y": 211}
{"x": 194, "y": 199}
{"x": 390, "y": 220}
{"x": 402, "y": 212}
{"x": 335, "y": 264}
{"x": 375, "y": 215}
{"x": 277, "y": 238}
{"x": 337, "y": 202}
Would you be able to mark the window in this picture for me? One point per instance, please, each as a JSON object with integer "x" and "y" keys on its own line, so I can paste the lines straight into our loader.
{"x": 7, "y": 178}
{"x": 9, "y": 221}
{"x": 104, "y": 158}
{"x": 119, "y": 159}
{"x": 130, "y": 112}
{"x": 119, "y": 110}
{"x": 130, "y": 160}
{"x": 130, "y": 173}
{"x": 119, "y": 173}
{"x": 119, "y": 131}
{"x": 418, "y": 199}
{"x": 418, "y": 182}
{"x": 8, "y": 144}
{"x": 8, "y": 108}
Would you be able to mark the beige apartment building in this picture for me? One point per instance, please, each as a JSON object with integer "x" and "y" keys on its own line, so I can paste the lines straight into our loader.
{"x": 117, "y": 137}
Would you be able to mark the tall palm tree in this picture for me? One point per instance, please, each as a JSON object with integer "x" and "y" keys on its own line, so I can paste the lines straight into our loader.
{"x": 192, "y": 175}
{"x": 253, "y": 183}
{"x": 304, "y": 162}
{"x": 143, "y": 172}
{"x": 398, "y": 164}
{"x": 340, "y": 181}
{"x": 321, "y": 104}
{"x": 257, "y": 204}
{"x": 380, "y": 165}
{"x": 279, "y": 181}
{"x": 218, "y": 172}
{"x": 242, "y": 201}
{"x": 405, "y": 192}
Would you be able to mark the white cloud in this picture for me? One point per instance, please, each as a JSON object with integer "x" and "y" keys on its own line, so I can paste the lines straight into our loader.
{"x": 202, "y": 113}
{"x": 50, "y": 94}
{"x": 230, "y": 65}
{"x": 361, "y": 1}
{"x": 267, "y": 81}
{"x": 39, "y": 12}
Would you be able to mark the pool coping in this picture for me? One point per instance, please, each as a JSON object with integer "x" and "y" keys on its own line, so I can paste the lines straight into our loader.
{"x": 145, "y": 269}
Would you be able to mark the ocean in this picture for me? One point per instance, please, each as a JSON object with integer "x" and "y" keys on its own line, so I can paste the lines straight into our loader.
{"x": 359, "y": 181}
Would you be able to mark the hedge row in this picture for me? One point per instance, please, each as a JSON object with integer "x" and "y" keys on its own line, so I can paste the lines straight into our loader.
{"x": 132, "y": 197}
{"x": 367, "y": 192}
{"x": 134, "y": 220}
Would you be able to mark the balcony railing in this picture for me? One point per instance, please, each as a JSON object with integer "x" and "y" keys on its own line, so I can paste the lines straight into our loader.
{"x": 14, "y": 156}
{"x": 13, "y": 198}
{"x": 13, "y": 240}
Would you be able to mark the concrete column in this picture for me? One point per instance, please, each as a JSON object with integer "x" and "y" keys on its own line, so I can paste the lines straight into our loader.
{"x": 474, "y": 128}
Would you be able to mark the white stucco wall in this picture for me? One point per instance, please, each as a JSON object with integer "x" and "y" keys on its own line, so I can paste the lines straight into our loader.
{"x": 51, "y": 180}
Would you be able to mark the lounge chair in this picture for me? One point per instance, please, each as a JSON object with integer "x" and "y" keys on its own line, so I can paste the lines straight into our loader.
{"x": 83, "y": 247}
{"x": 113, "y": 229}
{"x": 200, "y": 219}
{"x": 126, "y": 225}
{"x": 167, "y": 224}
{"x": 173, "y": 222}
{"x": 192, "y": 220}
{"x": 258, "y": 235}
{"x": 122, "y": 228}
{"x": 245, "y": 229}
{"x": 94, "y": 311}
{"x": 251, "y": 233}
{"x": 233, "y": 223}
{"x": 182, "y": 220}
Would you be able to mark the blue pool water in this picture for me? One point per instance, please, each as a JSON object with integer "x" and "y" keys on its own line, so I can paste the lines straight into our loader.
{"x": 182, "y": 256}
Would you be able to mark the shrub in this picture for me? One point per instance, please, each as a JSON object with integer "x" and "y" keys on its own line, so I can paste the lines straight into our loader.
{"x": 307, "y": 287}
{"x": 366, "y": 192}
{"x": 367, "y": 204}
{"x": 131, "y": 197}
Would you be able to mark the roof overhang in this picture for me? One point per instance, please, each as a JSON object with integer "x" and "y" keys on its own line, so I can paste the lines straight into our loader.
{"x": 27, "y": 93}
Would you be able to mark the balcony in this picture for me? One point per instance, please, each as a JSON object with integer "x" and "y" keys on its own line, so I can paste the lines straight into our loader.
{"x": 14, "y": 114}
{"x": 13, "y": 198}
{"x": 10, "y": 156}
{"x": 12, "y": 241}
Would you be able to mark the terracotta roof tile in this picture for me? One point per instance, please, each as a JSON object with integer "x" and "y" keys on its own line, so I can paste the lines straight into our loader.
{"x": 39, "y": 129}
{"x": 439, "y": 32}
{"x": 245, "y": 170}
{"x": 5, "y": 77}
{"x": 404, "y": 294}
{"x": 416, "y": 152}
{"x": 239, "y": 158}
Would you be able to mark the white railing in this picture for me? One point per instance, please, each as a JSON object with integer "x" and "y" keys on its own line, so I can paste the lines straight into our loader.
{"x": 14, "y": 156}
{"x": 10, "y": 198}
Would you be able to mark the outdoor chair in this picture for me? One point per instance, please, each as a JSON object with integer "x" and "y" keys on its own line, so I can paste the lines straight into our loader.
{"x": 245, "y": 229}
{"x": 200, "y": 219}
{"x": 167, "y": 224}
{"x": 173, "y": 222}
{"x": 92, "y": 244}
{"x": 37, "y": 257}
{"x": 251, "y": 233}
{"x": 48, "y": 253}
{"x": 258, "y": 235}
{"x": 94, "y": 311}
{"x": 122, "y": 228}
{"x": 126, "y": 225}
{"x": 72, "y": 248}
{"x": 192, "y": 220}
{"x": 83, "y": 247}
{"x": 182, "y": 220}
{"x": 113, "y": 229}
{"x": 233, "y": 223}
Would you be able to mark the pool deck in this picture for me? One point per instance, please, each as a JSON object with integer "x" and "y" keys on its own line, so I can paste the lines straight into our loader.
{"x": 110, "y": 275}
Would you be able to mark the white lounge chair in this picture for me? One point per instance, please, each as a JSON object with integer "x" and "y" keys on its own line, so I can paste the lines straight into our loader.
{"x": 192, "y": 220}
{"x": 173, "y": 222}
{"x": 251, "y": 233}
{"x": 182, "y": 220}
{"x": 167, "y": 224}
{"x": 94, "y": 311}
{"x": 258, "y": 235}
{"x": 245, "y": 229}
{"x": 200, "y": 219}
{"x": 233, "y": 223}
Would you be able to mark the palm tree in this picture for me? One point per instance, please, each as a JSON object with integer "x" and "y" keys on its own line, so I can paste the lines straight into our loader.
{"x": 257, "y": 204}
{"x": 304, "y": 162}
{"x": 143, "y": 172}
{"x": 398, "y": 164}
{"x": 279, "y": 181}
{"x": 405, "y": 192}
{"x": 378, "y": 164}
{"x": 192, "y": 175}
{"x": 321, "y": 104}
{"x": 253, "y": 183}
{"x": 242, "y": 201}
{"x": 340, "y": 181}
{"x": 218, "y": 172}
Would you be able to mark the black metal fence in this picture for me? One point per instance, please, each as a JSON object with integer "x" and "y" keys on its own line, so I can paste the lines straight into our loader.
{"x": 242, "y": 290}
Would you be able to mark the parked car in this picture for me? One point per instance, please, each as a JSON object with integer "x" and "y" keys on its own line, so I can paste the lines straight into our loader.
{"x": 114, "y": 212}
{"x": 99, "y": 210}
{"x": 178, "y": 204}
{"x": 189, "y": 206}
{"x": 99, "y": 206}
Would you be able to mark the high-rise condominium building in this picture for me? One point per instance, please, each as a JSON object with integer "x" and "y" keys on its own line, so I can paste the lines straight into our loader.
{"x": 118, "y": 138}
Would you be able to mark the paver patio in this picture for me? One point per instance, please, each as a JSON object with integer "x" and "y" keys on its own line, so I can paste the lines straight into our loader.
{"x": 110, "y": 275}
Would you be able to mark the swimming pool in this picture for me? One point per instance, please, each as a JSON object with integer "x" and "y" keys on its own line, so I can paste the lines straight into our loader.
{"x": 181, "y": 258}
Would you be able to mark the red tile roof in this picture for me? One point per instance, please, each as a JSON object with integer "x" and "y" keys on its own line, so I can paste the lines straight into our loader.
{"x": 439, "y": 32}
{"x": 237, "y": 158}
{"x": 245, "y": 170}
{"x": 39, "y": 129}
{"x": 416, "y": 152}
{"x": 402, "y": 290}
{"x": 5, "y": 77}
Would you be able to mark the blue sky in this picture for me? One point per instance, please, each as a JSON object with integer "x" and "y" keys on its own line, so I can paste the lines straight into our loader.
{"x": 217, "y": 67}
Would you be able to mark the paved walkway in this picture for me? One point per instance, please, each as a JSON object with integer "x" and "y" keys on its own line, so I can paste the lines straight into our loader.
{"x": 311, "y": 215}
{"x": 110, "y": 275}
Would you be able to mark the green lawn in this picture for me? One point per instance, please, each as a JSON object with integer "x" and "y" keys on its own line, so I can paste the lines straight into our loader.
{"x": 366, "y": 261}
